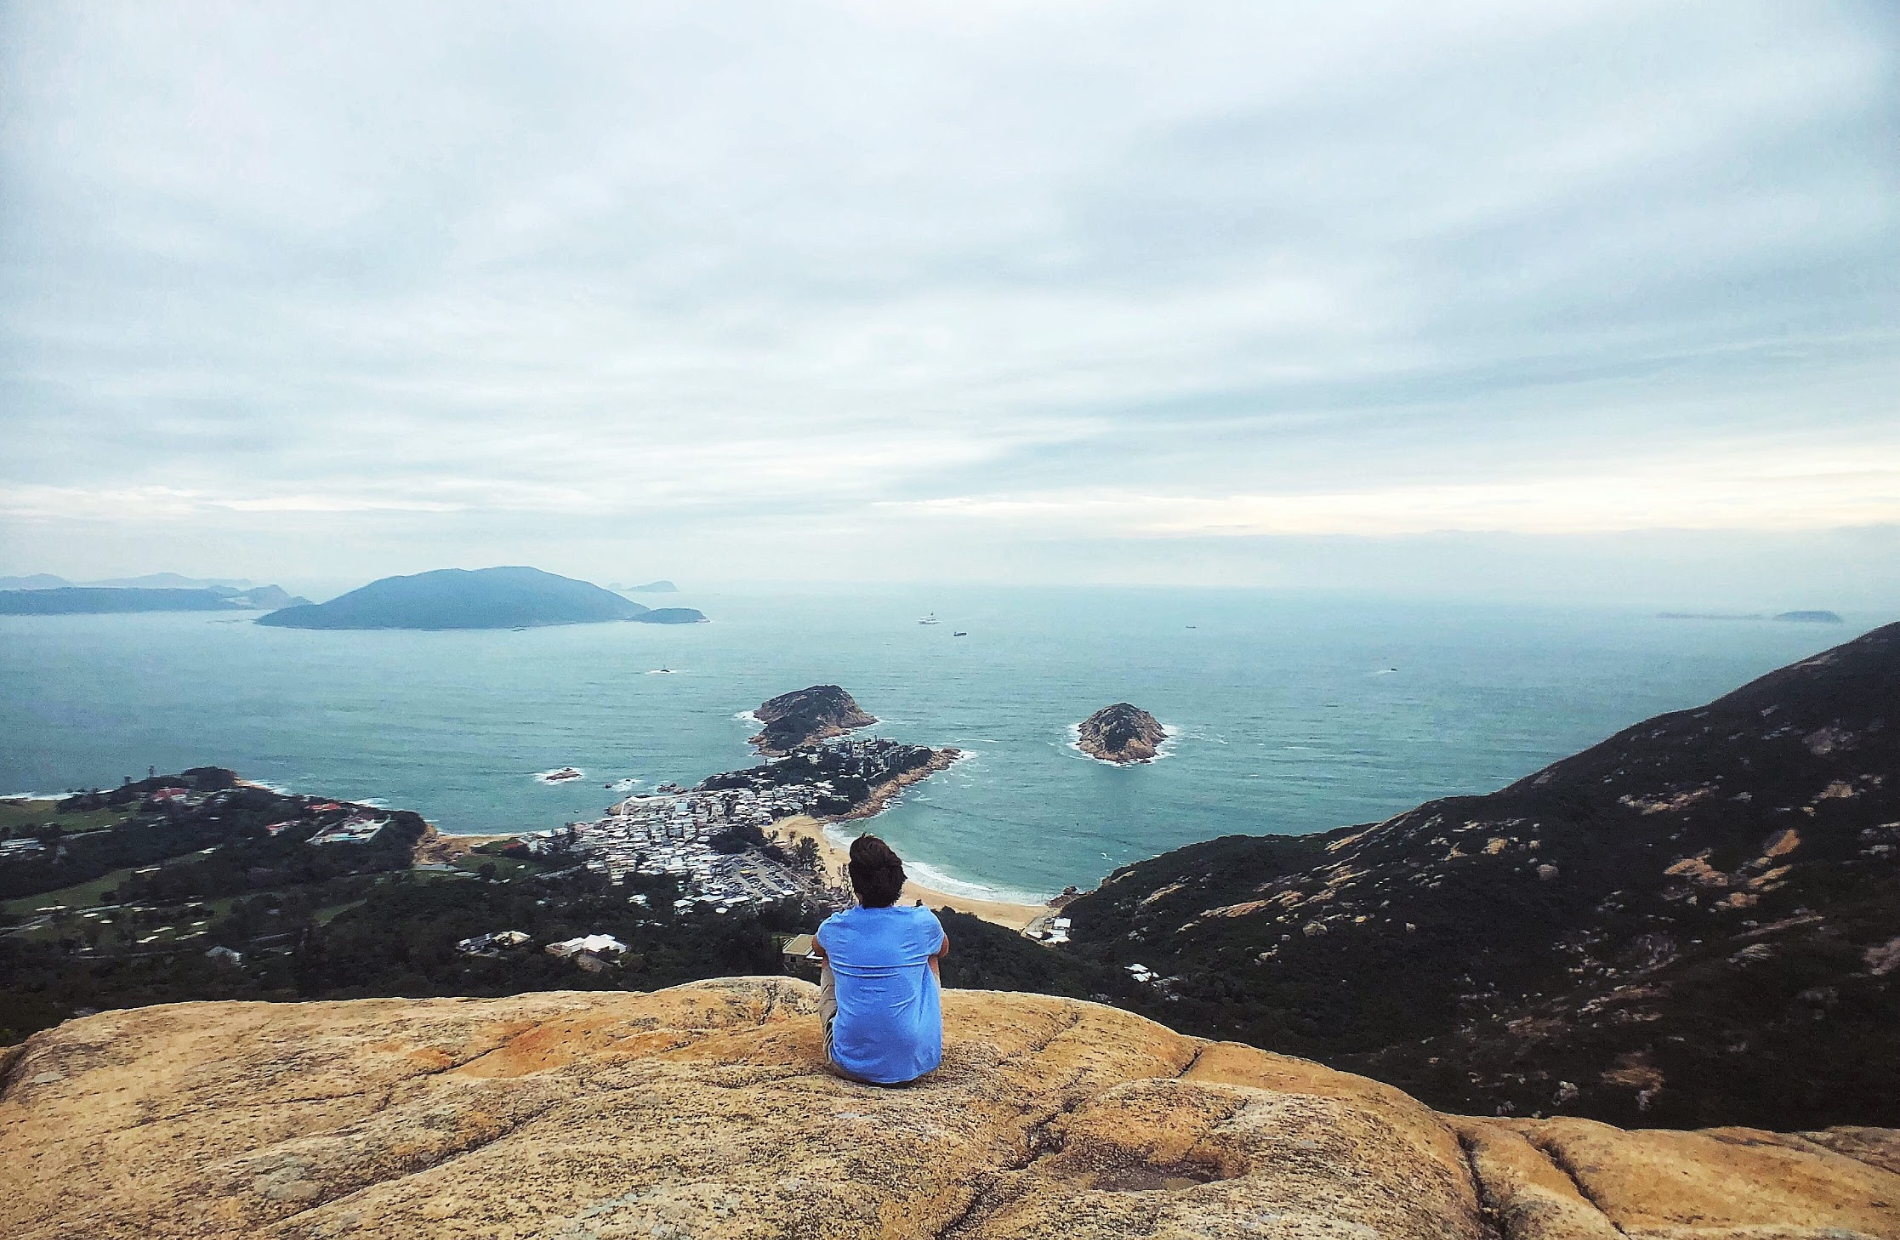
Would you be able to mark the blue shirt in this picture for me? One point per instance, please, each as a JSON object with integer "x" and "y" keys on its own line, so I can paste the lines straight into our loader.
{"x": 889, "y": 1026}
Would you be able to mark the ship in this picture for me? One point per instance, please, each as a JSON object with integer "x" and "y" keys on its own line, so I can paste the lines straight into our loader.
{"x": 930, "y": 619}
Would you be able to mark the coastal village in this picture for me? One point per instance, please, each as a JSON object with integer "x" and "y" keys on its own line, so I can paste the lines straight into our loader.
{"x": 204, "y": 864}
{"x": 714, "y": 837}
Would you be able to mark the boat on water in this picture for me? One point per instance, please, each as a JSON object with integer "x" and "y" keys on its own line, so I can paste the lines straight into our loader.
{"x": 930, "y": 619}
{"x": 561, "y": 776}
{"x": 961, "y": 633}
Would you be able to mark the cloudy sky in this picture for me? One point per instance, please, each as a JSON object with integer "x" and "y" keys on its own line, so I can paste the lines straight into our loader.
{"x": 1461, "y": 297}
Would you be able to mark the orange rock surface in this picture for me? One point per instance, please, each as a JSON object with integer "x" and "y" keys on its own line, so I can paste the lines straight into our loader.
{"x": 702, "y": 1111}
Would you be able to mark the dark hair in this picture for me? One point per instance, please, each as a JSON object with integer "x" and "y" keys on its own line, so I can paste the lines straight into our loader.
{"x": 877, "y": 873}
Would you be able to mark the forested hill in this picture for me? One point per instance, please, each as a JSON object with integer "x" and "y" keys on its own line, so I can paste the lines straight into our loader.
{"x": 1695, "y": 922}
{"x": 487, "y": 598}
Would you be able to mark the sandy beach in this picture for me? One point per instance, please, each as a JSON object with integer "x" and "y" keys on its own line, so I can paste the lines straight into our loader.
{"x": 1000, "y": 912}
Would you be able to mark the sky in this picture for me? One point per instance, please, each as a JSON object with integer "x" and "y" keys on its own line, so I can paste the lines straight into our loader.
{"x": 1554, "y": 301}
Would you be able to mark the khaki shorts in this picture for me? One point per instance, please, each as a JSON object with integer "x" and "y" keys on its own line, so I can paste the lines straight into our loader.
{"x": 827, "y": 1015}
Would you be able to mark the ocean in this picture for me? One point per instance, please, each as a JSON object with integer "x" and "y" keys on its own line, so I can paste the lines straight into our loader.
{"x": 1288, "y": 713}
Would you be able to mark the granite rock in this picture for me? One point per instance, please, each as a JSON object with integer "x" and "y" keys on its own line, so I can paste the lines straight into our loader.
{"x": 704, "y": 1111}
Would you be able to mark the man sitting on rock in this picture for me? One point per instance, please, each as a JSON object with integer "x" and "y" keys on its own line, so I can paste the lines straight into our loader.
{"x": 878, "y": 994}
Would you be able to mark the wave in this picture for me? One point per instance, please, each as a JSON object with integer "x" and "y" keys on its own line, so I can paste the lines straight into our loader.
{"x": 746, "y": 716}
{"x": 930, "y": 876}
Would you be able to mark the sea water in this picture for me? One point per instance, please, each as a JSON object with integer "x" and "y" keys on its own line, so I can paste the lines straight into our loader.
{"x": 1286, "y": 713}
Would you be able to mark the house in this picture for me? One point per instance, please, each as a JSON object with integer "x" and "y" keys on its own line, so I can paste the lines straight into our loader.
{"x": 490, "y": 944}
{"x": 799, "y": 957}
{"x": 593, "y": 944}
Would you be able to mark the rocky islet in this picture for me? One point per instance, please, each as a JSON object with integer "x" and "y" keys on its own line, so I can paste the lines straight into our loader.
{"x": 1122, "y": 734}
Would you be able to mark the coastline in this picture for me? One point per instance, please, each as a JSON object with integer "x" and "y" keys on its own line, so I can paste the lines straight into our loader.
{"x": 999, "y": 912}
{"x": 439, "y": 846}
{"x": 881, "y": 796}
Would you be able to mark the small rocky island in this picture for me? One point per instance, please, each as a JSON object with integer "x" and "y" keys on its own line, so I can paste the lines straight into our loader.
{"x": 1120, "y": 734}
{"x": 805, "y": 717}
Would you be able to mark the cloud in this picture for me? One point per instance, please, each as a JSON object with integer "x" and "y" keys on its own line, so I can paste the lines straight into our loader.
{"x": 1780, "y": 493}
{"x": 1005, "y": 272}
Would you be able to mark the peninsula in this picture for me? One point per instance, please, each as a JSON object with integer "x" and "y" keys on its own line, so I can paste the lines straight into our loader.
{"x": 1121, "y": 734}
{"x": 805, "y": 717}
{"x": 487, "y": 598}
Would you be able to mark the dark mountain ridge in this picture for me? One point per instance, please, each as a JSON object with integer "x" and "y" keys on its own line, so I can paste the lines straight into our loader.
{"x": 1694, "y": 922}
{"x": 487, "y": 598}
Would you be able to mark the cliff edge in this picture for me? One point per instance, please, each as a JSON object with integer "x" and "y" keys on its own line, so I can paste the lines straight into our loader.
{"x": 702, "y": 1111}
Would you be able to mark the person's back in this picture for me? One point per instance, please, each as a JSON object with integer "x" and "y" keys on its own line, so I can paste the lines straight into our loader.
{"x": 881, "y": 1009}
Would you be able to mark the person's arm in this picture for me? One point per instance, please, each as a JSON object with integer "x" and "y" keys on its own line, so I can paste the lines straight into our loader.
{"x": 937, "y": 956}
{"x": 819, "y": 948}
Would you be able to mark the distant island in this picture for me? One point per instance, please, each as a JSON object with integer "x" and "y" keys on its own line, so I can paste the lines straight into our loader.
{"x": 264, "y": 598}
{"x": 1120, "y": 734}
{"x": 150, "y": 581}
{"x": 1791, "y": 617}
{"x": 101, "y": 600}
{"x": 486, "y": 598}
{"x": 806, "y": 716}
{"x": 651, "y": 587}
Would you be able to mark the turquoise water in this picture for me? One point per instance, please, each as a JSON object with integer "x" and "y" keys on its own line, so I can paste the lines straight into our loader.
{"x": 1291, "y": 713}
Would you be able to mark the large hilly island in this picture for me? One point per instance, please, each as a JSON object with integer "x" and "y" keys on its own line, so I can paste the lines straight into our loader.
{"x": 486, "y": 598}
{"x": 1695, "y": 922}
